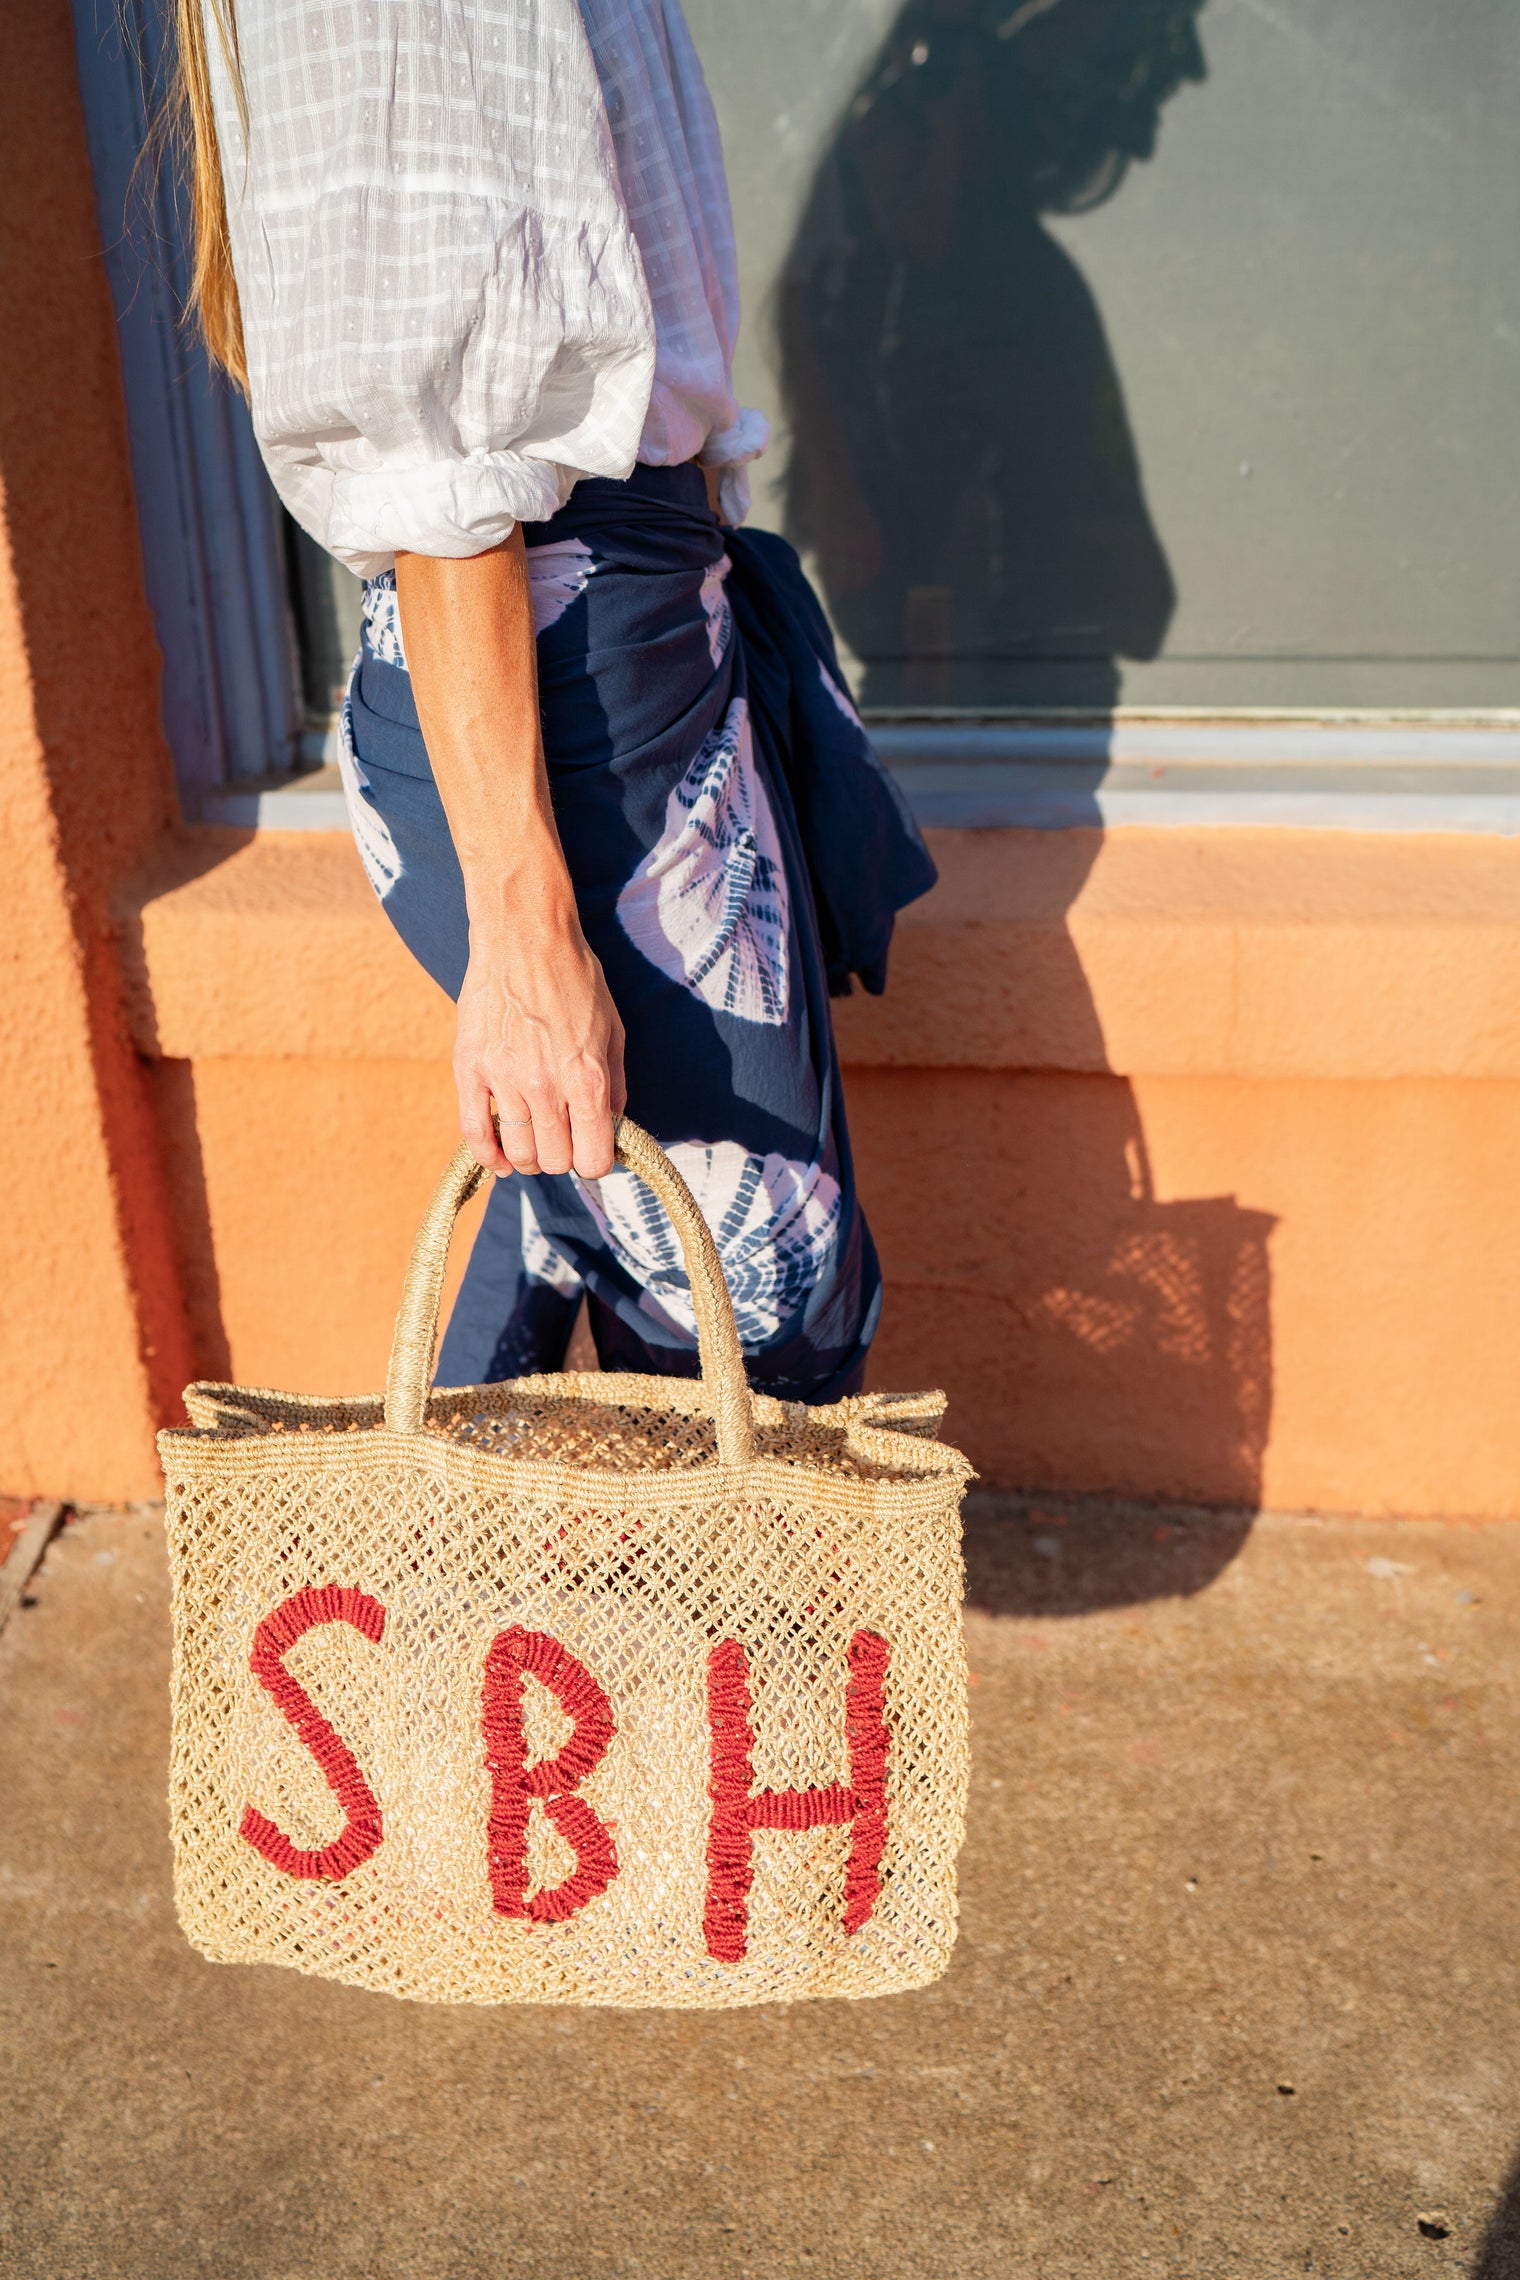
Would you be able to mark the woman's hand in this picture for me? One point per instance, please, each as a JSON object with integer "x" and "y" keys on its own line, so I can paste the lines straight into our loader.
{"x": 537, "y": 1031}
{"x": 539, "y": 1034}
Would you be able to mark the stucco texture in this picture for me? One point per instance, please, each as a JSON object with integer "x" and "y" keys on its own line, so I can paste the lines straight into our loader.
{"x": 1234, "y": 1991}
{"x": 1186, "y": 1152}
{"x": 1189, "y": 1153}
{"x": 93, "y": 1339}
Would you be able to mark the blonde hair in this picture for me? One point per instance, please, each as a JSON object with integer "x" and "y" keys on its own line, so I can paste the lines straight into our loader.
{"x": 192, "y": 125}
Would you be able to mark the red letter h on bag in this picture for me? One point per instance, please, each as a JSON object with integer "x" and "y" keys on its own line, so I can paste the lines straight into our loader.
{"x": 738, "y": 1808}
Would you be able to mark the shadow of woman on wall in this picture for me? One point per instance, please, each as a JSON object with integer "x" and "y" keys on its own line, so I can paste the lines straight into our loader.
{"x": 1094, "y": 1332}
{"x": 962, "y": 467}
{"x": 963, "y": 473}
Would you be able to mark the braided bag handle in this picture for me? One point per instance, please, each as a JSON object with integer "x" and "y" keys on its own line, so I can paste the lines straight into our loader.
{"x": 416, "y": 1334}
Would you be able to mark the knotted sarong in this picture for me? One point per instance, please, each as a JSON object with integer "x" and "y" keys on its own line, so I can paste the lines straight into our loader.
{"x": 677, "y": 791}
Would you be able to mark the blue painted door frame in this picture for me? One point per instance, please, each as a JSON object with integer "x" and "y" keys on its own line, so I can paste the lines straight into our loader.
{"x": 212, "y": 541}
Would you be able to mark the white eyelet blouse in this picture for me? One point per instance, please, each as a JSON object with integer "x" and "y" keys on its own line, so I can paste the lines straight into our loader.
{"x": 483, "y": 248}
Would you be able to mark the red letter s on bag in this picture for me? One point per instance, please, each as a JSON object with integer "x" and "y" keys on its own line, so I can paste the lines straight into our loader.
{"x": 276, "y": 1635}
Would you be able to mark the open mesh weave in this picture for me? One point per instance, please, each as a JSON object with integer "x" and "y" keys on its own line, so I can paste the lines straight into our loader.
{"x": 575, "y": 1506}
{"x": 585, "y": 1688}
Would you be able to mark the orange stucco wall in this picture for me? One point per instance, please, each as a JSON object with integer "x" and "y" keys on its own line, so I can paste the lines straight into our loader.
{"x": 1189, "y": 1154}
{"x": 1319, "y": 1307}
{"x": 92, "y": 1329}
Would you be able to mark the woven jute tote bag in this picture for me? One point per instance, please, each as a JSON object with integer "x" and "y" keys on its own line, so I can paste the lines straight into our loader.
{"x": 585, "y": 1688}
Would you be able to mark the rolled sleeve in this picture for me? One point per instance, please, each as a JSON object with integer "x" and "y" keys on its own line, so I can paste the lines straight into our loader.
{"x": 444, "y": 309}
{"x": 731, "y": 450}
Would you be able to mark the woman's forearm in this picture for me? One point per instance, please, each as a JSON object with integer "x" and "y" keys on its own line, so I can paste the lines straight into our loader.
{"x": 469, "y": 645}
{"x": 537, "y": 1031}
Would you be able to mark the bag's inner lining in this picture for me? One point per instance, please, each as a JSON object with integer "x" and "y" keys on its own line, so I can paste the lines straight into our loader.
{"x": 569, "y": 1419}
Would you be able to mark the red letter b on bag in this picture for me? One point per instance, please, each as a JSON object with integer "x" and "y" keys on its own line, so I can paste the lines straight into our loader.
{"x": 515, "y": 1655}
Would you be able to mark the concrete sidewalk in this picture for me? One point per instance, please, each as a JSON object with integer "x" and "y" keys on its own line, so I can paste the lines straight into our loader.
{"x": 1236, "y": 1988}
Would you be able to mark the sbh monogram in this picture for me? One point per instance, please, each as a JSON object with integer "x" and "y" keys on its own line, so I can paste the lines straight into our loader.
{"x": 737, "y": 1808}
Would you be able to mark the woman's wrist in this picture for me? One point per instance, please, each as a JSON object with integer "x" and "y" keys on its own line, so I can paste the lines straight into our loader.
{"x": 528, "y": 930}
{"x": 526, "y": 891}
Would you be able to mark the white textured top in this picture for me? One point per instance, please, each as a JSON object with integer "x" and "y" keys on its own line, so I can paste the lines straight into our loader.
{"x": 483, "y": 248}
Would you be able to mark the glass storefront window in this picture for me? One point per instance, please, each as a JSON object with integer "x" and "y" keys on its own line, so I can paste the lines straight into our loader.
{"x": 1138, "y": 351}
{"x": 325, "y": 602}
{"x": 1145, "y": 354}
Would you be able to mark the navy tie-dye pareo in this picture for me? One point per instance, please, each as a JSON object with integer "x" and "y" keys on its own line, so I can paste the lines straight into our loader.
{"x": 681, "y": 836}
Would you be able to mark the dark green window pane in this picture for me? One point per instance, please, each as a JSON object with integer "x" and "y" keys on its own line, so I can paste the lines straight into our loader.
{"x": 325, "y": 600}
{"x": 1138, "y": 351}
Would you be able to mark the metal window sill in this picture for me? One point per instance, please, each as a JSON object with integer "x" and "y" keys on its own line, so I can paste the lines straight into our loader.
{"x": 1284, "y": 771}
